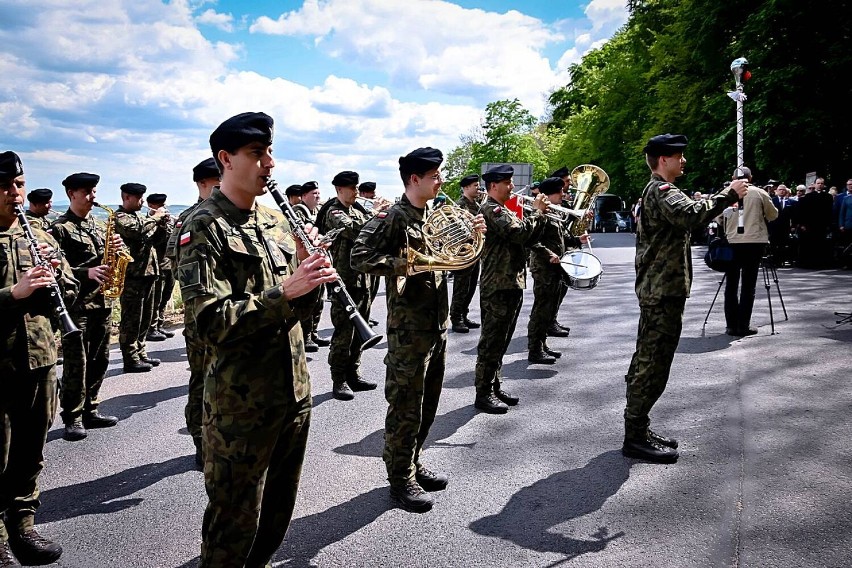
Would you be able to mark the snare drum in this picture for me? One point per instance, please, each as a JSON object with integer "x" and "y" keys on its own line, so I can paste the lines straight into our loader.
{"x": 582, "y": 269}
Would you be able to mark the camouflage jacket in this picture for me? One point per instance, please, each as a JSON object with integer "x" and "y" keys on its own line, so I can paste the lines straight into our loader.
{"x": 82, "y": 243}
{"x": 26, "y": 331}
{"x": 423, "y": 305}
{"x": 350, "y": 220}
{"x": 171, "y": 244}
{"x": 305, "y": 214}
{"x": 35, "y": 221}
{"x": 503, "y": 256}
{"x": 555, "y": 239}
{"x": 161, "y": 245}
{"x": 140, "y": 233}
{"x": 471, "y": 207}
{"x": 663, "y": 254}
{"x": 230, "y": 266}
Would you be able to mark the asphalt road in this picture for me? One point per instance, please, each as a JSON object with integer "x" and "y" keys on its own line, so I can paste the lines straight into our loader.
{"x": 764, "y": 477}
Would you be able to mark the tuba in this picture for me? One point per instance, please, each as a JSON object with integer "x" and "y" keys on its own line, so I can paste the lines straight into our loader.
{"x": 589, "y": 181}
{"x": 449, "y": 240}
{"x": 116, "y": 259}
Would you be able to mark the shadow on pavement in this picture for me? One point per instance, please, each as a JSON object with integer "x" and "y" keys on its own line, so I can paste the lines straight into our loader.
{"x": 125, "y": 406}
{"x": 104, "y": 495}
{"x": 531, "y": 513}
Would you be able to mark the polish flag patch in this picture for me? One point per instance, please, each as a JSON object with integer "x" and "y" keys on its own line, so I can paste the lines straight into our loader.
{"x": 184, "y": 239}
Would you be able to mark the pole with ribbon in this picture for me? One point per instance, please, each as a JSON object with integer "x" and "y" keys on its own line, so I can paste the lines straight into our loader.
{"x": 739, "y": 67}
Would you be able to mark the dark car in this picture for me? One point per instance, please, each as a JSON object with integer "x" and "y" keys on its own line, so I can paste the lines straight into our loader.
{"x": 616, "y": 222}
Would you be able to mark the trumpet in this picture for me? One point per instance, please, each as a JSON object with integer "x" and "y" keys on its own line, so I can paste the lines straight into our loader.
{"x": 373, "y": 205}
{"x": 563, "y": 212}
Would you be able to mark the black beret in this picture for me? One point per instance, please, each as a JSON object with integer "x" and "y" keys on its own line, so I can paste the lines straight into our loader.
{"x": 81, "y": 180}
{"x": 240, "y": 130}
{"x": 42, "y": 195}
{"x": 205, "y": 170}
{"x": 345, "y": 179}
{"x": 368, "y": 186}
{"x": 310, "y": 186}
{"x": 156, "y": 198}
{"x": 498, "y": 173}
{"x": 293, "y": 190}
{"x": 10, "y": 165}
{"x": 134, "y": 188}
{"x": 467, "y": 180}
{"x": 420, "y": 160}
{"x": 665, "y": 145}
{"x": 551, "y": 185}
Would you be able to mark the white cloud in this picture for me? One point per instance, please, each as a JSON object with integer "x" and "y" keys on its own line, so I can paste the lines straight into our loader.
{"x": 224, "y": 22}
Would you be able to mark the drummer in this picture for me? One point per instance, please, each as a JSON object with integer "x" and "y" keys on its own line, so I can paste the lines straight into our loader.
{"x": 549, "y": 283}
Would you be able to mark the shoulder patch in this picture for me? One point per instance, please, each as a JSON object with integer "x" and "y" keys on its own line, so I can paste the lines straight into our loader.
{"x": 498, "y": 210}
{"x": 336, "y": 212}
{"x": 665, "y": 187}
{"x": 184, "y": 239}
{"x": 381, "y": 214}
{"x": 675, "y": 198}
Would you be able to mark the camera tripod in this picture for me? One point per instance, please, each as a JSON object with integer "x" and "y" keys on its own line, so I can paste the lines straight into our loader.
{"x": 770, "y": 274}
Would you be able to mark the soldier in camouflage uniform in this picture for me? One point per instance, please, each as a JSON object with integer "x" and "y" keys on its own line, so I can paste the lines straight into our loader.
{"x": 307, "y": 210}
{"x": 367, "y": 190}
{"x": 417, "y": 329}
{"x": 464, "y": 281}
{"x": 237, "y": 269}
{"x": 41, "y": 201}
{"x": 139, "y": 232}
{"x": 344, "y": 355}
{"x": 501, "y": 287}
{"x": 206, "y": 177}
{"x": 556, "y": 329}
{"x": 165, "y": 283}
{"x": 81, "y": 238}
{"x": 548, "y": 277}
{"x": 663, "y": 280}
{"x": 27, "y": 371}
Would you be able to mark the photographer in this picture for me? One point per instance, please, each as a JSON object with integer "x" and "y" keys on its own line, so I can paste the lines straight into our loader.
{"x": 749, "y": 246}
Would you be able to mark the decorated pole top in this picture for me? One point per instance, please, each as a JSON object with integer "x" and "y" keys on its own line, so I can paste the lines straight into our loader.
{"x": 739, "y": 67}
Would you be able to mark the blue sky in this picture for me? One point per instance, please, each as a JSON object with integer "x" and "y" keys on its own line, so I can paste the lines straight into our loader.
{"x": 131, "y": 89}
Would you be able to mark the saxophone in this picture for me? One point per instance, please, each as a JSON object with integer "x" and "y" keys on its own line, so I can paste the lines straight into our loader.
{"x": 116, "y": 259}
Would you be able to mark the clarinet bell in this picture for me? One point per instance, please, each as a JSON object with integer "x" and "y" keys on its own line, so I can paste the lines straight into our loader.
{"x": 69, "y": 330}
{"x": 365, "y": 333}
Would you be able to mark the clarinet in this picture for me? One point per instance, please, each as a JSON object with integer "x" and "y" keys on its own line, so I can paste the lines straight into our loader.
{"x": 367, "y": 336}
{"x": 69, "y": 329}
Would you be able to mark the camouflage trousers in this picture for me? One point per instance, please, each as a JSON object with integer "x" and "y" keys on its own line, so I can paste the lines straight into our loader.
{"x": 464, "y": 287}
{"x": 500, "y": 310}
{"x": 86, "y": 361}
{"x": 252, "y": 467}
{"x": 344, "y": 353}
{"x": 137, "y": 304}
{"x": 415, "y": 365}
{"x": 27, "y": 407}
{"x": 162, "y": 294}
{"x": 310, "y": 324}
{"x": 548, "y": 292}
{"x": 656, "y": 342}
{"x": 196, "y": 354}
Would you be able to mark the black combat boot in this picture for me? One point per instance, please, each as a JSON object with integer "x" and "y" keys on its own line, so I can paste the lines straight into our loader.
{"x": 320, "y": 341}
{"x": 341, "y": 391}
{"x": 155, "y": 335}
{"x": 490, "y": 403}
{"x": 471, "y": 324}
{"x": 95, "y": 419}
{"x": 153, "y": 361}
{"x": 75, "y": 431}
{"x": 662, "y": 440}
{"x": 358, "y": 384}
{"x": 459, "y": 326}
{"x": 555, "y": 331}
{"x": 32, "y": 549}
{"x": 137, "y": 367}
{"x": 310, "y": 345}
{"x": 551, "y": 352}
{"x": 649, "y": 450}
{"x": 505, "y": 397}
{"x": 537, "y": 355}
{"x": 166, "y": 332}
{"x": 411, "y": 496}
{"x": 429, "y": 480}
{"x": 7, "y": 559}
{"x": 562, "y": 327}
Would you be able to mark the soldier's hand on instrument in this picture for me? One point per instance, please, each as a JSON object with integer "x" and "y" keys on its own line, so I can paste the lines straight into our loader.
{"x": 479, "y": 224}
{"x": 312, "y": 234}
{"x": 585, "y": 238}
{"x": 554, "y": 259}
{"x": 50, "y": 254}
{"x": 541, "y": 202}
{"x": 117, "y": 242}
{"x": 314, "y": 271}
{"x": 33, "y": 279}
{"x": 98, "y": 273}
{"x": 740, "y": 186}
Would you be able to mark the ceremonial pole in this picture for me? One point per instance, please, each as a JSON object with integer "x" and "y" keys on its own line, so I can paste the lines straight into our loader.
{"x": 739, "y": 67}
